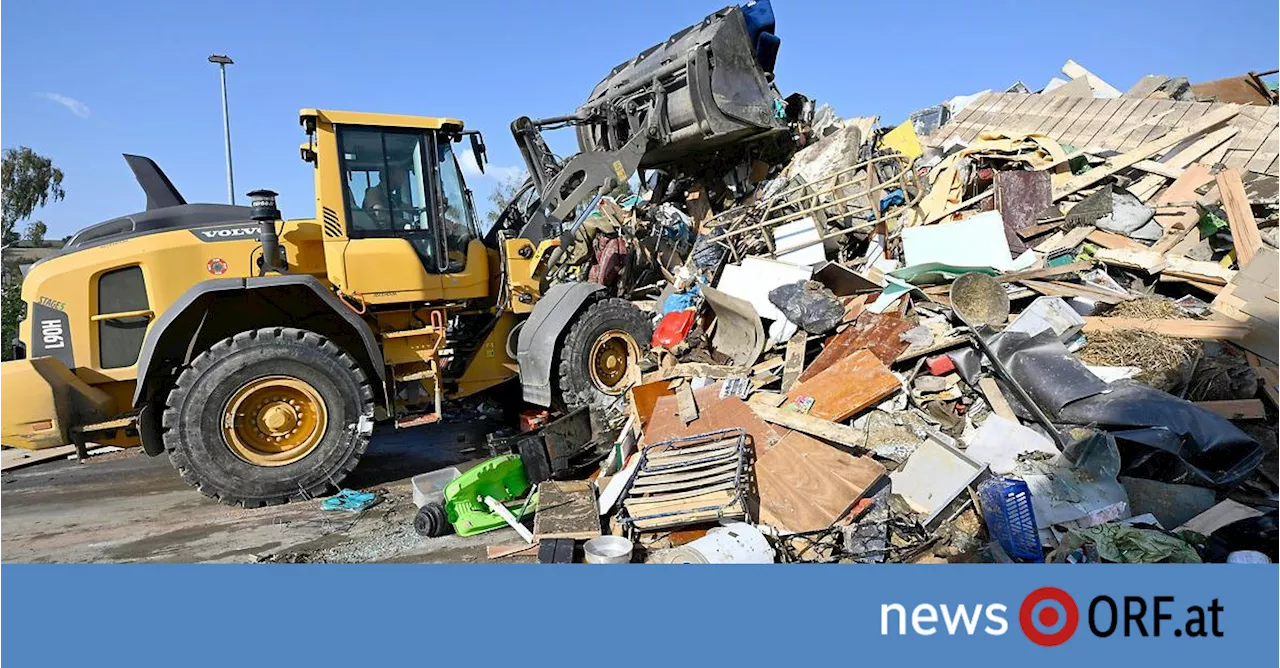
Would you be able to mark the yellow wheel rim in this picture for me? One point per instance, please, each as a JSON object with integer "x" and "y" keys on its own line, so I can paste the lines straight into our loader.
{"x": 274, "y": 421}
{"x": 613, "y": 358}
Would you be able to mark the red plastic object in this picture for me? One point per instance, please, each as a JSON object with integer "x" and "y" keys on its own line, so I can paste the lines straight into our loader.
{"x": 940, "y": 365}
{"x": 673, "y": 328}
{"x": 534, "y": 418}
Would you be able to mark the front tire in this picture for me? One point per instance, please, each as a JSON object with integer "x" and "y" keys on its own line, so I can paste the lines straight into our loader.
{"x": 601, "y": 353}
{"x": 268, "y": 416}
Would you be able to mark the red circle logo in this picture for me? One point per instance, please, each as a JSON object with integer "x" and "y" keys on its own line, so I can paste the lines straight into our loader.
{"x": 217, "y": 266}
{"x": 1042, "y": 620}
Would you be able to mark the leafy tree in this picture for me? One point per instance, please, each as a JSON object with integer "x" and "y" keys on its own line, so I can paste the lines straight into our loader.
{"x": 30, "y": 181}
{"x": 502, "y": 194}
{"x": 10, "y": 310}
{"x": 35, "y": 233}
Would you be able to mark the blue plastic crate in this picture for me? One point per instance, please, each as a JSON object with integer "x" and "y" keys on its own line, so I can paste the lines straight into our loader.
{"x": 1006, "y": 507}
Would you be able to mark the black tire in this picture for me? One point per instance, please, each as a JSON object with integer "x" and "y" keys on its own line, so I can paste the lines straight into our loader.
{"x": 193, "y": 414}
{"x": 432, "y": 521}
{"x": 575, "y": 385}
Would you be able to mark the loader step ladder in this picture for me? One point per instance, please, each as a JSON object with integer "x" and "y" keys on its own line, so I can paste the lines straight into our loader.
{"x": 414, "y": 356}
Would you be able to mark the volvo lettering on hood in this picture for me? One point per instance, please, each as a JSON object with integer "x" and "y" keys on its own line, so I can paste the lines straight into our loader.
{"x": 234, "y": 232}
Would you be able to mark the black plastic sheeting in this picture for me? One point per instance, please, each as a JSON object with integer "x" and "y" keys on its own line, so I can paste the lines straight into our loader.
{"x": 1161, "y": 437}
{"x": 1252, "y": 533}
{"x": 1165, "y": 438}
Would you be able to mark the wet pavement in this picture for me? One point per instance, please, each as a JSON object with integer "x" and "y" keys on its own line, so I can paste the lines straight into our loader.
{"x": 128, "y": 507}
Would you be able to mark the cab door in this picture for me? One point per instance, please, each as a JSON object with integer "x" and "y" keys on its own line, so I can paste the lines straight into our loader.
{"x": 392, "y": 253}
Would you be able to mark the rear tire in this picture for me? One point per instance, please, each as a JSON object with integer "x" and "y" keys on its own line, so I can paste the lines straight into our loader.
{"x": 579, "y": 384}
{"x": 219, "y": 418}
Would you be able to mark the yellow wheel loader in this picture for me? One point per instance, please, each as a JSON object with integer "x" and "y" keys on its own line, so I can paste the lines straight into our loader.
{"x": 258, "y": 353}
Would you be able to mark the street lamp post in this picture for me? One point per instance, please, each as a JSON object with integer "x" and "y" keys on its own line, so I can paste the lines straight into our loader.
{"x": 222, "y": 62}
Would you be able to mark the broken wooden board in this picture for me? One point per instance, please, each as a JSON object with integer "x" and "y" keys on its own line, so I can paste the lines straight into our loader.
{"x": 1177, "y": 328}
{"x": 996, "y": 399}
{"x": 847, "y": 387}
{"x": 16, "y": 458}
{"x": 1142, "y": 259}
{"x": 813, "y": 426}
{"x": 1145, "y": 150}
{"x": 1202, "y": 271}
{"x": 1180, "y": 221}
{"x": 685, "y": 404}
{"x": 1043, "y": 272}
{"x": 645, "y": 396}
{"x": 794, "y": 363}
{"x": 715, "y": 414}
{"x": 687, "y": 510}
{"x": 1250, "y": 298}
{"x": 879, "y": 333}
{"x": 1061, "y": 289}
{"x": 505, "y": 551}
{"x": 1236, "y": 409}
{"x": 1244, "y": 229}
{"x": 806, "y": 485}
{"x": 1115, "y": 241}
{"x": 566, "y": 509}
{"x": 1069, "y": 239}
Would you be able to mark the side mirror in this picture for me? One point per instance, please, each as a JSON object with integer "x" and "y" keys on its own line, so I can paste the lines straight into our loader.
{"x": 478, "y": 148}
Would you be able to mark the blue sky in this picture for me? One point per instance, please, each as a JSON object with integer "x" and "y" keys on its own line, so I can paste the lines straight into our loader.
{"x": 87, "y": 81}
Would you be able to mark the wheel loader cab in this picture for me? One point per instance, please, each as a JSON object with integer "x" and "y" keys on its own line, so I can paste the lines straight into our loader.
{"x": 399, "y": 222}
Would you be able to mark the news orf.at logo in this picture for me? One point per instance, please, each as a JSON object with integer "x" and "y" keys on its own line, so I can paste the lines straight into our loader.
{"x": 1048, "y": 616}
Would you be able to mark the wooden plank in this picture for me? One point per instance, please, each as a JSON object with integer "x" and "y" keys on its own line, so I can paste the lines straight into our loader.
{"x": 1143, "y": 259}
{"x": 996, "y": 399}
{"x": 879, "y": 333}
{"x": 504, "y": 551}
{"x": 1236, "y": 409}
{"x": 806, "y": 485}
{"x": 1144, "y": 151}
{"x": 1112, "y": 240}
{"x": 1198, "y": 270}
{"x": 1179, "y": 221}
{"x": 1181, "y": 329}
{"x": 1045, "y": 272}
{"x": 1076, "y": 71}
{"x": 1059, "y": 289}
{"x": 1210, "y": 288}
{"x": 1158, "y": 168}
{"x": 17, "y": 458}
{"x": 566, "y": 509}
{"x": 824, "y": 429}
{"x": 685, "y": 403}
{"x": 794, "y": 364}
{"x": 1244, "y": 229}
{"x": 847, "y": 387}
{"x": 1071, "y": 239}
{"x": 1118, "y": 119}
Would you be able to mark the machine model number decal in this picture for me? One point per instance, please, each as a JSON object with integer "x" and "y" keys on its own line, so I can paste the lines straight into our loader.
{"x": 226, "y": 233}
{"x": 52, "y": 334}
{"x": 217, "y": 266}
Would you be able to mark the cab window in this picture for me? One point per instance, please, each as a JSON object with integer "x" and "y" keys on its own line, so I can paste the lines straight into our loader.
{"x": 456, "y": 208}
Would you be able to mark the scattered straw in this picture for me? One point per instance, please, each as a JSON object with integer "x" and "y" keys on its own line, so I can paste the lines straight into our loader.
{"x": 1164, "y": 360}
{"x": 1147, "y": 308}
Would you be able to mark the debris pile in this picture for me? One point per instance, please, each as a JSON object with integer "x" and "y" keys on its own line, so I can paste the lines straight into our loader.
{"x": 1018, "y": 326}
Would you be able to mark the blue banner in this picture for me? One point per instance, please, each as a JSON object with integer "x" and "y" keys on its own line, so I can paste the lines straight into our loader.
{"x": 495, "y": 615}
